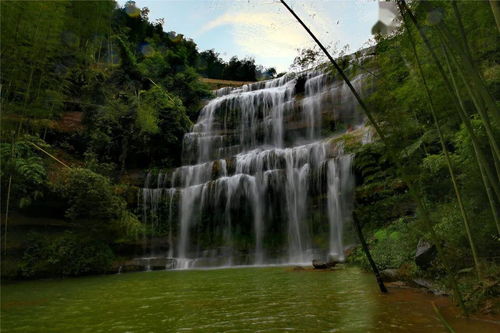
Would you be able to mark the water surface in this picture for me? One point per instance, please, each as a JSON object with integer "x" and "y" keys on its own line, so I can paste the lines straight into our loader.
{"x": 269, "y": 299}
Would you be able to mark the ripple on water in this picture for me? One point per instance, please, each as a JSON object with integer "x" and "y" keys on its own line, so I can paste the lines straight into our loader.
{"x": 236, "y": 300}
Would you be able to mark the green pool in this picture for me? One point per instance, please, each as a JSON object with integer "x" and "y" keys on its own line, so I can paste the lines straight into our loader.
{"x": 270, "y": 299}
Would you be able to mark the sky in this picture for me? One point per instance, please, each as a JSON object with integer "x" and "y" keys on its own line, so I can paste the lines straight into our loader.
{"x": 264, "y": 29}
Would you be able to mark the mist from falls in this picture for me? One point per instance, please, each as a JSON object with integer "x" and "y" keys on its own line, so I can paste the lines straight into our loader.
{"x": 265, "y": 178}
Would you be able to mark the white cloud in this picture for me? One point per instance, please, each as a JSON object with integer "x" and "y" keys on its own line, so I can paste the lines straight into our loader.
{"x": 261, "y": 33}
{"x": 268, "y": 31}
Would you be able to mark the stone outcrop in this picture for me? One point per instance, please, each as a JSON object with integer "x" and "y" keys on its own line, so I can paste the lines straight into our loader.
{"x": 425, "y": 253}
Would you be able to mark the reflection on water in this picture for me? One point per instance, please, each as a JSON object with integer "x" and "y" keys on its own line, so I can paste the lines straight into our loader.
{"x": 231, "y": 300}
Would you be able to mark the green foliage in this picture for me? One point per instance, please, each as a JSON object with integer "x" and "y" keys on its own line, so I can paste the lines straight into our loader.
{"x": 24, "y": 169}
{"x": 391, "y": 246}
{"x": 90, "y": 196}
{"x": 106, "y": 62}
{"x": 94, "y": 207}
{"x": 66, "y": 255}
{"x": 212, "y": 66}
{"x": 108, "y": 90}
{"x": 380, "y": 196}
{"x": 402, "y": 110}
{"x": 91, "y": 163}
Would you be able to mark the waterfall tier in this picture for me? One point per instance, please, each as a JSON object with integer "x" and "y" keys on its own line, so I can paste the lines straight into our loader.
{"x": 265, "y": 180}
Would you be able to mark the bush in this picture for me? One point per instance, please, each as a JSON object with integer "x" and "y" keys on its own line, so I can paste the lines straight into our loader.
{"x": 90, "y": 196}
{"x": 68, "y": 254}
{"x": 391, "y": 246}
{"x": 25, "y": 169}
{"x": 95, "y": 207}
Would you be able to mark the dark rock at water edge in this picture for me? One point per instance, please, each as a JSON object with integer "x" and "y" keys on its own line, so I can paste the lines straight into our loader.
{"x": 390, "y": 275}
{"x": 431, "y": 287}
{"x": 127, "y": 268}
{"x": 318, "y": 264}
{"x": 145, "y": 264}
{"x": 425, "y": 254}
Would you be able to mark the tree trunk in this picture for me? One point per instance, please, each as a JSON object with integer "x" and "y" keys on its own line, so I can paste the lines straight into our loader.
{"x": 380, "y": 283}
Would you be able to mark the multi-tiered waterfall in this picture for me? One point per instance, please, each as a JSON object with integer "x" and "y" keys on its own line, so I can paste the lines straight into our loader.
{"x": 265, "y": 178}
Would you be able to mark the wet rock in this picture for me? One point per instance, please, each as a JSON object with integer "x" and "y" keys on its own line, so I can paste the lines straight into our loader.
{"x": 397, "y": 284}
{"x": 430, "y": 287}
{"x": 300, "y": 84}
{"x": 143, "y": 264}
{"x": 390, "y": 275}
{"x": 318, "y": 264}
{"x": 127, "y": 268}
{"x": 155, "y": 263}
{"x": 425, "y": 254}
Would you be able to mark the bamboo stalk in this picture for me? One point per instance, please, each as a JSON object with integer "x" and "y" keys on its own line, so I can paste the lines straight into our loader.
{"x": 50, "y": 155}
{"x": 446, "y": 154}
{"x": 13, "y": 152}
{"x": 482, "y": 170}
{"x": 420, "y": 204}
{"x": 7, "y": 214}
{"x": 491, "y": 200}
{"x": 468, "y": 59}
{"x": 477, "y": 101}
{"x": 495, "y": 8}
{"x": 462, "y": 112}
{"x": 461, "y": 27}
{"x": 456, "y": 102}
{"x": 441, "y": 318}
{"x": 376, "y": 272}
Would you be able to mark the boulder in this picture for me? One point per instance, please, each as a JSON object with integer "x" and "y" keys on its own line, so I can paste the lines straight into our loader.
{"x": 425, "y": 254}
{"x": 318, "y": 264}
{"x": 390, "y": 275}
{"x": 126, "y": 268}
{"x": 157, "y": 264}
{"x": 431, "y": 287}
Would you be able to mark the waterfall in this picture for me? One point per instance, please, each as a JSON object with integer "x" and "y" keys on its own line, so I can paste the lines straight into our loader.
{"x": 265, "y": 178}
{"x": 340, "y": 184}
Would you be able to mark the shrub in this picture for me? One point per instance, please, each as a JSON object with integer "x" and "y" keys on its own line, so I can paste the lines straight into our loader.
{"x": 68, "y": 254}
{"x": 89, "y": 195}
{"x": 391, "y": 246}
{"x": 95, "y": 207}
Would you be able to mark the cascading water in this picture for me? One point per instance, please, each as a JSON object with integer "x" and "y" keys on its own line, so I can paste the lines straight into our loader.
{"x": 265, "y": 180}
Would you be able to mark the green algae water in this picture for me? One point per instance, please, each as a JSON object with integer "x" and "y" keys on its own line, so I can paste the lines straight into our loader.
{"x": 268, "y": 299}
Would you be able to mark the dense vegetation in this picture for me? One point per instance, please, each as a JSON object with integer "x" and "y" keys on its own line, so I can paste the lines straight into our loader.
{"x": 428, "y": 179}
{"x": 91, "y": 92}
{"x": 214, "y": 67}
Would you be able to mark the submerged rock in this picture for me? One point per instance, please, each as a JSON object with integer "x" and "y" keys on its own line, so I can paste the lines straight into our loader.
{"x": 425, "y": 254}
